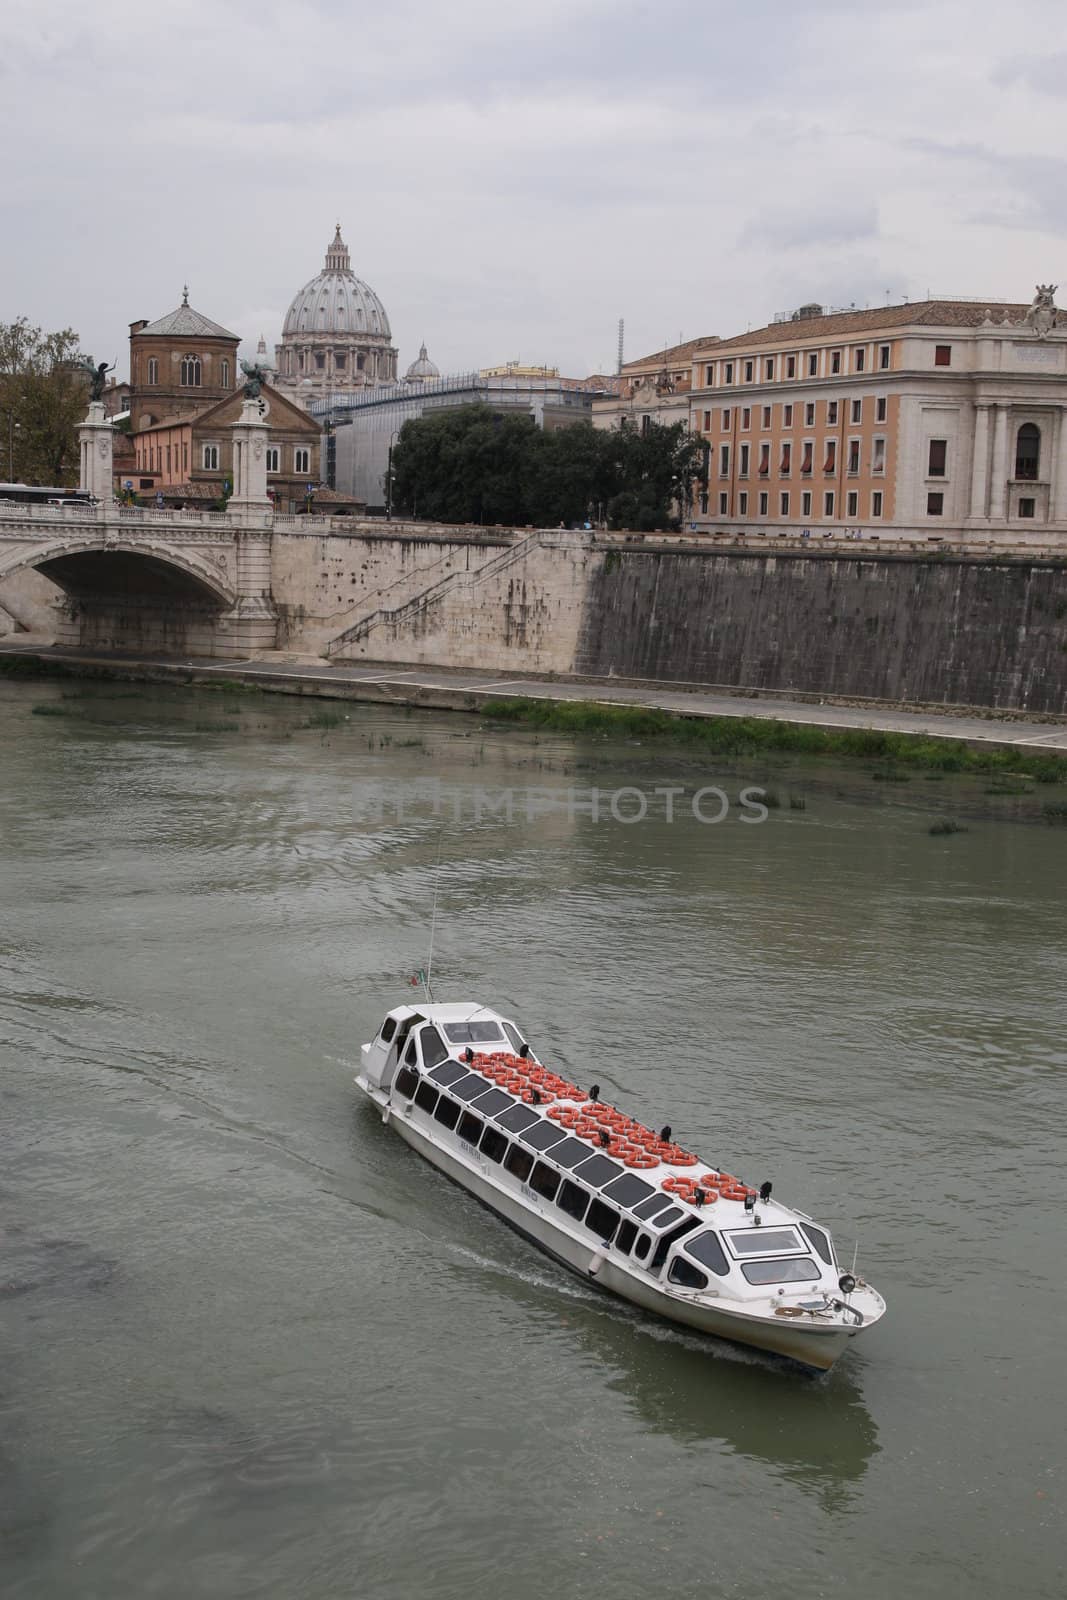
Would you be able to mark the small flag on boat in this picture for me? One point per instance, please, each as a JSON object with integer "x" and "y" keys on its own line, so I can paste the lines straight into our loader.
{"x": 420, "y": 977}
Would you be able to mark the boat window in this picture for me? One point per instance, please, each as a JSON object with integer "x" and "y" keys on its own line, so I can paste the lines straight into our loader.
{"x": 434, "y": 1049}
{"x": 764, "y": 1241}
{"x": 573, "y": 1199}
{"x": 602, "y": 1219}
{"x": 447, "y": 1113}
{"x": 819, "y": 1240}
{"x": 707, "y": 1249}
{"x": 570, "y": 1152}
{"x": 407, "y": 1081}
{"x": 496, "y": 1100}
{"x": 663, "y": 1219}
{"x": 597, "y": 1171}
{"x": 518, "y": 1118}
{"x": 470, "y": 1088}
{"x": 409, "y": 1053}
{"x": 517, "y": 1040}
{"x": 519, "y": 1162}
{"x": 641, "y": 1247}
{"x": 545, "y": 1134}
{"x": 684, "y": 1273}
{"x": 649, "y": 1208}
{"x": 494, "y": 1144}
{"x": 626, "y": 1236}
{"x": 470, "y": 1127}
{"x": 426, "y": 1096}
{"x": 629, "y": 1191}
{"x": 795, "y": 1269}
{"x": 663, "y": 1245}
{"x": 471, "y": 1032}
{"x": 388, "y": 1029}
{"x": 449, "y": 1072}
{"x": 544, "y": 1181}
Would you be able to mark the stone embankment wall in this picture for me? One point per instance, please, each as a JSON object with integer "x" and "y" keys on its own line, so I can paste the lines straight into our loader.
{"x": 932, "y": 628}
{"x": 894, "y": 620}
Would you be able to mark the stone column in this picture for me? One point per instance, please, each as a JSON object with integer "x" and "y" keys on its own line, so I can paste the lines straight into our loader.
{"x": 253, "y": 623}
{"x": 1058, "y": 473}
{"x": 980, "y": 462}
{"x": 97, "y": 441}
{"x": 999, "y": 492}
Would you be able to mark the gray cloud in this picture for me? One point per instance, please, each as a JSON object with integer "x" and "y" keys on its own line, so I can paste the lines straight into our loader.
{"x": 511, "y": 180}
{"x": 807, "y": 227}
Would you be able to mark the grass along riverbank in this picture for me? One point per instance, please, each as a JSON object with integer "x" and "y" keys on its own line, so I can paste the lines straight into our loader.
{"x": 739, "y": 736}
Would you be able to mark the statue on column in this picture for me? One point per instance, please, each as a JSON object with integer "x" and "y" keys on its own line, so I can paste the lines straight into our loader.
{"x": 97, "y": 375}
{"x": 256, "y": 374}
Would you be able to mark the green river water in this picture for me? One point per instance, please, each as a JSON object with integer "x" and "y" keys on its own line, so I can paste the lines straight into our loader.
{"x": 252, "y": 1346}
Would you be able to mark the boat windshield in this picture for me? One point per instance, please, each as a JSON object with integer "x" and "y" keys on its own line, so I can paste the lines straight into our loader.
{"x": 472, "y": 1032}
{"x": 765, "y": 1241}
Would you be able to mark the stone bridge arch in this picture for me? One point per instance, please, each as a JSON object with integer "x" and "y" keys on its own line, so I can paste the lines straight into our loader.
{"x": 214, "y": 579}
{"x": 130, "y": 593}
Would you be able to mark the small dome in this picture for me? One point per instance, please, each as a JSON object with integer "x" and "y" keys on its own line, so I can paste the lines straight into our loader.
{"x": 422, "y": 369}
{"x": 337, "y": 302}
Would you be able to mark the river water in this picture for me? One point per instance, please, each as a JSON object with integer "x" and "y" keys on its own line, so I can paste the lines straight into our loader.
{"x": 252, "y": 1346}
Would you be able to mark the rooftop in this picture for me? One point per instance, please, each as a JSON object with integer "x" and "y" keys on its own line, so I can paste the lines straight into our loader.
{"x": 915, "y": 314}
{"x": 184, "y": 322}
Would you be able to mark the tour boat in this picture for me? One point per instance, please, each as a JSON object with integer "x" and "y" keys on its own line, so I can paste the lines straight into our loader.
{"x": 622, "y": 1206}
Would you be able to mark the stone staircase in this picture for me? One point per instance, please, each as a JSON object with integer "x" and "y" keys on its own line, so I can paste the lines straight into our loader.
{"x": 407, "y": 607}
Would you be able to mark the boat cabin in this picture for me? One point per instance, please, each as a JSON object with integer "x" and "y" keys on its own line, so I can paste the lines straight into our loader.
{"x": 422, "y": 1061}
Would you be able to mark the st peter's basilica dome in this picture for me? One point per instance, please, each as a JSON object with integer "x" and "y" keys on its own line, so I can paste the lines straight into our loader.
{"x": 336, "y": 335}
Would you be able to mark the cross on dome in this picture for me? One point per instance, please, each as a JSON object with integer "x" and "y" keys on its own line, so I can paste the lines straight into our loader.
{"x": 185, "y": 294}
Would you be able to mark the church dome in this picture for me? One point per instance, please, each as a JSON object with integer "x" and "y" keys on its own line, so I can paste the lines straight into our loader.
{"x": 422, "y": 370}
{"x": 337, "y": 302}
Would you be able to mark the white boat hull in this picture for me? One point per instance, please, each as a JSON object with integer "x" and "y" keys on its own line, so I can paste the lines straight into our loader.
{"x": 798, "y": 1336}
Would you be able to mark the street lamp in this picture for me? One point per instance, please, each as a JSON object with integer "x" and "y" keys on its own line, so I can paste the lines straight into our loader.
{"x": 13, "y": 427}
{"x": 389, "y": 477}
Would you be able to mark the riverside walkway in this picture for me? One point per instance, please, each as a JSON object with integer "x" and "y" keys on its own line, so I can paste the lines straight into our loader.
{"x": 468, "y": 690}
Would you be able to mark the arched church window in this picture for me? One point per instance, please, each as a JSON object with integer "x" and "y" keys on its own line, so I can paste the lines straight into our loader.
{"x": 211, "y": 458}
{"x": 1027, "y": 452}
{"x": 225, "y": 373}
{"x": 320, "y": 360}
{"x": 190, "y": 375}
{"x": 153, "y": 370}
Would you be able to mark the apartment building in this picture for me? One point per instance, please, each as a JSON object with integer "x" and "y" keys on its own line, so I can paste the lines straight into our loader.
{"x": 940, "y": 418}
{"x": 653, "y": 389}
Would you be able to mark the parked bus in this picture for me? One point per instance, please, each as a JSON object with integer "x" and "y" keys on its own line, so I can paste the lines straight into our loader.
{"x": 35, "y": 495}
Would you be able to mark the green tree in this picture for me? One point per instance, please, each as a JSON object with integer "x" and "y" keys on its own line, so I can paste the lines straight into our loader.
{"x": 465, "y": 464}
{"x": 43, "y": 397}
{"x": 569, "y": 476}
{"x": 471, "y": 464}
{"x": 653, "y": 473}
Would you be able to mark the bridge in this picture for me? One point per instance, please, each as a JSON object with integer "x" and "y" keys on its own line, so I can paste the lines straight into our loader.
{"x": 193, "y": 581}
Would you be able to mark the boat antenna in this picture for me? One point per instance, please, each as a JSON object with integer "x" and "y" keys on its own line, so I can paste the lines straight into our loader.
{"x": 433, "y": 920}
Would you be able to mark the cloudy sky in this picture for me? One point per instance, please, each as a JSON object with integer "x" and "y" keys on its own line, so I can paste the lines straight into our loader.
{"x": 513, "y": 179}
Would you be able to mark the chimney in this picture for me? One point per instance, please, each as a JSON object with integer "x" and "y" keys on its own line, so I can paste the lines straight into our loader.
{"x": 135, "y": 327}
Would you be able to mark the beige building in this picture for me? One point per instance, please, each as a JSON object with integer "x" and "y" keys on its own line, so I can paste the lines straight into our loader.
{"x": 652, "y": 390}
{"x": 940, "y": 418}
